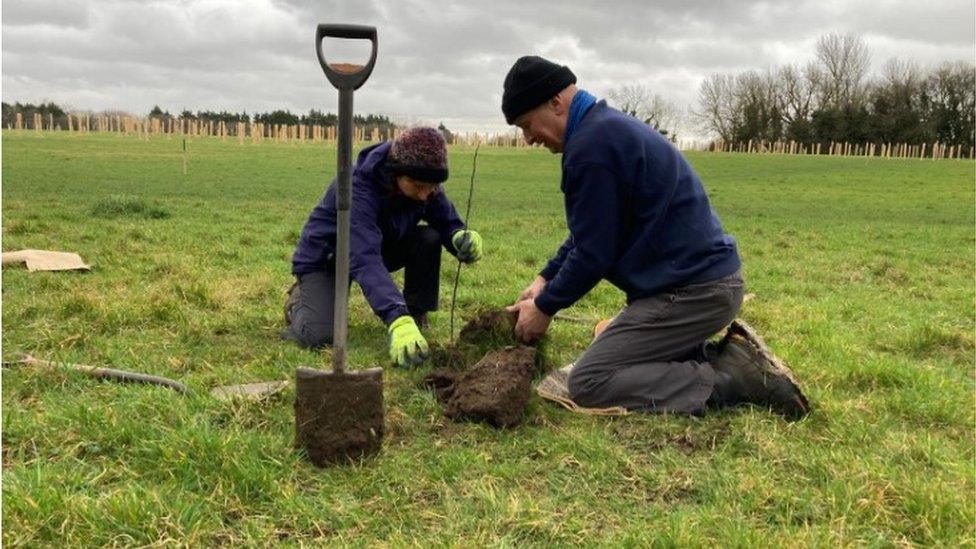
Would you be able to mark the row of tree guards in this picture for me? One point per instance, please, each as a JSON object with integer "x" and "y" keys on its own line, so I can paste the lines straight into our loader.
{"x": 935, "y": 151}
{"x": 257, "y": 132}
{"x": 242, "y": 131}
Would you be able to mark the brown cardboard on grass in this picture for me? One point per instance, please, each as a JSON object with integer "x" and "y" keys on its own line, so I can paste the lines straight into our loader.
{"x": 46, "y": 260}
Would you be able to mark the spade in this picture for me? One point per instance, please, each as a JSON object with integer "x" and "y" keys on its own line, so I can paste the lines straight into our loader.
{"x": 339, "y": 414}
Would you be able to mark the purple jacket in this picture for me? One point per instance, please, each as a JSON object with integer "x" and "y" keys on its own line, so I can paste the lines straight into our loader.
{"x": 378, "y": 215}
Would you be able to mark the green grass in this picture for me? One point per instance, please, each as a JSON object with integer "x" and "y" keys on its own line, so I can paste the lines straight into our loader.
{"x": 863, "y": 275}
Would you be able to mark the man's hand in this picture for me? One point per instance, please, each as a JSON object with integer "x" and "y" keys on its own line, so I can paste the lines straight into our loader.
{"x": 532, "y": 290}
{"x": 407, "y": 346}
{"x": 532, "y": 323}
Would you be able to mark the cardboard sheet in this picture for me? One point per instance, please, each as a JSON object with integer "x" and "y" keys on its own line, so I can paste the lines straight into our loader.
{"x": 45, "y": 260}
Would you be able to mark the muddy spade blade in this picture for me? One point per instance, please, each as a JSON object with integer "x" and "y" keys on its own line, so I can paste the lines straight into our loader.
{"x": 339, "y": 414}
{"x": 338, "y": 417}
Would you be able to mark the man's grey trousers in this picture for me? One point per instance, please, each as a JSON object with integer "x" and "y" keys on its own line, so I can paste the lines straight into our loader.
{"x": 651, "y": 358}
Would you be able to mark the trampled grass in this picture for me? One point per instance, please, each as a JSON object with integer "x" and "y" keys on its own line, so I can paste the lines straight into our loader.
{"x": 863, "y": 275}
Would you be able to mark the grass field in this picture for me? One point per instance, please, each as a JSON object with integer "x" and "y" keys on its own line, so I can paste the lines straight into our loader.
{"x": 863, "y": 274}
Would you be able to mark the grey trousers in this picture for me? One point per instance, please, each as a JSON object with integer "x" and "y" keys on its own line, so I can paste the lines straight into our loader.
{"x": 650, "y": 357}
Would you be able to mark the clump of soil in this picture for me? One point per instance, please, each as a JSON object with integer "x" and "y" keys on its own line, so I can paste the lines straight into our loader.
{"x": 489, "y": 329}
{"x": 496, "y": 390}
{"x": 491, "y": 326}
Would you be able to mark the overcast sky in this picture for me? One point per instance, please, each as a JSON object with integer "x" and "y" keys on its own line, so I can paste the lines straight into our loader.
{"x": 438, "y": 60}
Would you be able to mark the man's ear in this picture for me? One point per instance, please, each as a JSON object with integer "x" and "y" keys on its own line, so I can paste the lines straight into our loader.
{"x": 558, "y": 105}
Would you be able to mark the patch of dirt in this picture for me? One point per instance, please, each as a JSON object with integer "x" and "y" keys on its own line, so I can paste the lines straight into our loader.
{"x": 494, "y": 326}
{"x": 442, "y": 381}
{"x": 642, "y": 439}
{"x": 338, "y": 417}
{"x": 7, "y": 459}
{"x": 496, "y": 390}
{"x": 457, "y": 357}
{"x": 686, "y": 443}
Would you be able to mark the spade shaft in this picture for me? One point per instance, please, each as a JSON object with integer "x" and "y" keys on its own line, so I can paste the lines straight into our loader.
{"x": 346, "y": 77}
{"x": 343, "y": 203}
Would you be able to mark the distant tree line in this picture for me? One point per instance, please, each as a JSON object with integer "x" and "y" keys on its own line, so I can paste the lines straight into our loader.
{"x": 29, "y": 110}
{"x": 831, "y": 99}
{"x": 284, "y": 117}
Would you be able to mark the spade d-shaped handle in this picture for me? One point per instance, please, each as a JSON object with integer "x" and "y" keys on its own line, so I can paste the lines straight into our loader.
{"x": 345, "y": 76}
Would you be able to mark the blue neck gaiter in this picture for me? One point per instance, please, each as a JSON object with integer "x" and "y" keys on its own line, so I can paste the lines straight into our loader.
{"x": 581, "y": 104}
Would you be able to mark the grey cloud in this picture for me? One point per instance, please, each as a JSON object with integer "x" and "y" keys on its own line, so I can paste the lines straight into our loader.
{"x": 45, "y": 12}
{"x": 439, "y": 59}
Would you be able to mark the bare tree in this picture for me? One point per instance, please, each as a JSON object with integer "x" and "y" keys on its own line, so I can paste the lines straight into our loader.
{"x": 845, "y": 60}
{"x": 649, "y": 108}
{"x": 756, "y": 97}
{"x": 796, "y": 91}
{"x": 902, "y": 73}
{"x": 664, "y": 116}
{"x": 832, "y": 99}
{"x": 717, "y": 107}
{"x": 631, "y": 99}
{"x": 899, "y": 104}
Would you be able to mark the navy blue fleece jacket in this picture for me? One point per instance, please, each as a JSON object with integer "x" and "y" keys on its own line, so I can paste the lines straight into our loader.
{"x": 637, "y": 213}
{"x": 378, "y": 214}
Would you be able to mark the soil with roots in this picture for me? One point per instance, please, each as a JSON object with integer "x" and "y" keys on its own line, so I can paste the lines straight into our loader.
{"x": 489, "y": 326}
{"x": 486, "y": 375}
{"x": 496, "y": 390}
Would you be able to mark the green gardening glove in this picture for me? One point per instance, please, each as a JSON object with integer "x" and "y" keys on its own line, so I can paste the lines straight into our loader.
{"x": 407, "y": 345}
{"x": 468, "y": 245}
